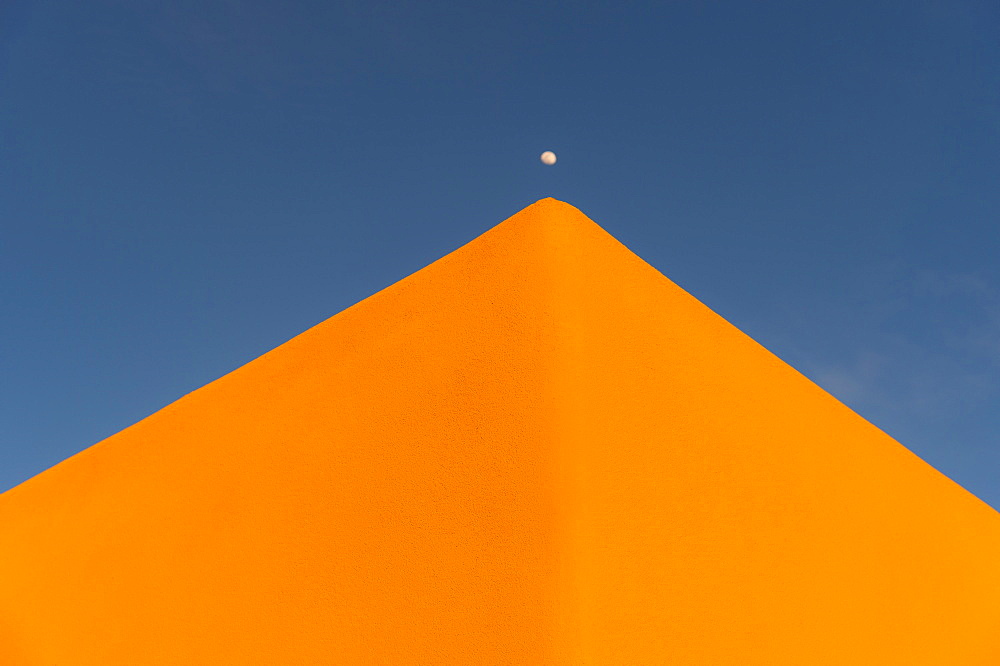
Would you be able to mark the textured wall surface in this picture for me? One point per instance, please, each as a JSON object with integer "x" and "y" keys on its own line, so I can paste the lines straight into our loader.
{"x": 537, "y": 450}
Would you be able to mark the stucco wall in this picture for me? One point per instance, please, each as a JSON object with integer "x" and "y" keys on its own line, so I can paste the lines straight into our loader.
{"x": 537, "y": 450}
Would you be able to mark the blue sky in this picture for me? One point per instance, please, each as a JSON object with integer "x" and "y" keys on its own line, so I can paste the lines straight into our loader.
{"x": 186, "y": 185}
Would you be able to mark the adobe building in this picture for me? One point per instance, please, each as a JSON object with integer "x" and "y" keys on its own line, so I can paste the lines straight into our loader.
{"x": 536, "y": 450}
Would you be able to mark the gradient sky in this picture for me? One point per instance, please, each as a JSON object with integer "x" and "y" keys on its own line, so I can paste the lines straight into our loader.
{"x": 186, "y": 185}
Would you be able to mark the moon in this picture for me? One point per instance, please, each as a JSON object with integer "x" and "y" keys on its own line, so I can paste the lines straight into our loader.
{"x": 548, "y": 157}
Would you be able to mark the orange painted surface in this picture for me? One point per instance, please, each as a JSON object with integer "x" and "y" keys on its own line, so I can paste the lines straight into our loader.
{"x": 537, "y": 450}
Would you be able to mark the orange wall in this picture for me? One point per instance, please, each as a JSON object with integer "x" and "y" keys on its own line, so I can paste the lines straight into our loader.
{"x": 537, "y": 450}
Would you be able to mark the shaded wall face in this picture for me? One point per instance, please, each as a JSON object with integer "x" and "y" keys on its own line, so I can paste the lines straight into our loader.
{"x": 377, "y": 490}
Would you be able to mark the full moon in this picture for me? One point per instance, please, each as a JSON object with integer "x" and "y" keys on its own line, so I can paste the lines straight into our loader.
{"x": 548, "y": 157}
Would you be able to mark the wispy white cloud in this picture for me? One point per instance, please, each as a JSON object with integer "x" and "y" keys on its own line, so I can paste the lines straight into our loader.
{"x": 924, "y": 344}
